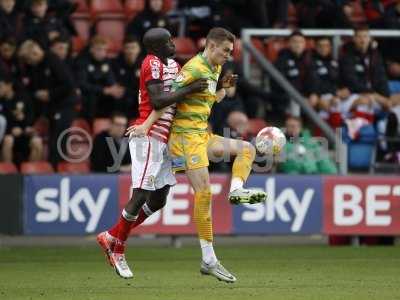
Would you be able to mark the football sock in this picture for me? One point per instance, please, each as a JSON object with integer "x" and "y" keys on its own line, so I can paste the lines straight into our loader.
{"x": 236, "y": 183}
{"x": 242, "y": 164}
{"x": 144, "y": 213}
{"x": 202, "y": 214}
{"x": 122, "y": 228}
{"x": 207, "y": 252}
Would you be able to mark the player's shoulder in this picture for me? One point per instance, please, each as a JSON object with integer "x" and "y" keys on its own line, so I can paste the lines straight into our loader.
{"x": 151, "y": 61}
{"x": 194, "y": 64}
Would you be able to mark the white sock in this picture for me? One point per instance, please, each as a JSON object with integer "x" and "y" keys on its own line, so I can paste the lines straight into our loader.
{"x": 207, "y": 252}
{"x": 236, "y": 183}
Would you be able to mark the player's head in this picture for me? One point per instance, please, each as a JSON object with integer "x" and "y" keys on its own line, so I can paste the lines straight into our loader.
{"x": 158, "y": 41}
{"x": 219, "y": 45}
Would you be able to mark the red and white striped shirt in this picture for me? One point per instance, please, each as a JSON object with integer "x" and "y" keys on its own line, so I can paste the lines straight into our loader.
{"x": 153, "y": 69}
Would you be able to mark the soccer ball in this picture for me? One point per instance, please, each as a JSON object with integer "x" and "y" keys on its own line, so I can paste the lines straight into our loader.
{"x": 270, "y": 140}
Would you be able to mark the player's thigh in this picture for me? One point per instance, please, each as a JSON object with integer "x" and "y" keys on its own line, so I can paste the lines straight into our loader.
{"x": 199, "y": 178}
{"x": 147, "y": 160}
{"x": 188, "y": 151}
{"x": 219, "y": 146}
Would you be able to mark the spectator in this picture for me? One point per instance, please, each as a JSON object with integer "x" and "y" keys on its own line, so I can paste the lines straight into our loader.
{"x": 151, "y": 16}
{"x": 10, "y": 19}
{"x": 20, "y": 143}
{"x": 40, "y": 26}
{"x": 9, "y": 66}
{"x": 302, "y": 153}
{"x": 97, "y": 81}
{"x": 361, "y": 66}
{"x": 295, "y": 64}
{"x": 126, "y": 68}
{"x": 109, "y": 143}
{"x": 324, "y": 13}
{"x": 326, "y": 69}
{"x": 60, "y": 47}
{"x": 52, "y": 87}
{"x": 392, "y": 16}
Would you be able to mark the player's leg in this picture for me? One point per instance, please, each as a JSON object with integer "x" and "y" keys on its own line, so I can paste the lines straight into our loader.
{"x": 113, "y": 241}
{"x": 244, "y": 154}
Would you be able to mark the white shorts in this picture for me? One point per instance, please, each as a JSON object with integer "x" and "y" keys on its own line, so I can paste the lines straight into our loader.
{"x": 151, "y": 164}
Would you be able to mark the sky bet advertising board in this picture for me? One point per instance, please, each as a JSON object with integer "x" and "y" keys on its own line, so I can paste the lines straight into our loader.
{"x": 69, "y": 204}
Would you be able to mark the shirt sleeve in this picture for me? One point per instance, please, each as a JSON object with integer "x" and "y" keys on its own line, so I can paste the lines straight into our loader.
{"x": 152, "y": 70}
{"x": 185, "y": 77}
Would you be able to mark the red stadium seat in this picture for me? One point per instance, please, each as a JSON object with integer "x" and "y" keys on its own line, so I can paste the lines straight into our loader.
{"x": 292, "y": 15}
{"x": 82, "y": 6}
{"x": 82, "y": 26}
{"x": 185, "y": 48}
{"x": 78, "y": 44}
{"x": 37, "y": 167}
{"x": 255, "y": 125}
{"x": 100, "y": 124}
{"x": 358, "y": 15}
{"x": 114, "y": 30}
{"x": 273, "y": 46}
{"x": 107, "y": 9}
{"x": 133, "y": 7}
{"x": 8, "y": 168}
{"x": 41, "y": 126}
{"x": 237, "y": 50}
{"x": 82, "y": 124}
{"x": 75, "y": 168}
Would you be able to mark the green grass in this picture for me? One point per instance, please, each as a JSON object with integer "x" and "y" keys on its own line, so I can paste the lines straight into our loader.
{"x": 263, "y": 272}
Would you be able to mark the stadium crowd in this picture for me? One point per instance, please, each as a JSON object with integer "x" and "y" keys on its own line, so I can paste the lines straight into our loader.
{"x": 65, "y": 63}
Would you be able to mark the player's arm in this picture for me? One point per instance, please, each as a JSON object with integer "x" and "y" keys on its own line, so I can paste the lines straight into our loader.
{"x": 142, "y": 129}
{"x": 160, "y": 99}
{"x": 227, "y": 82}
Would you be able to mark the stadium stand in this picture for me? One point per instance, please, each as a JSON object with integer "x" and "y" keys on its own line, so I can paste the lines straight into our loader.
{"x": 37, "y": 167}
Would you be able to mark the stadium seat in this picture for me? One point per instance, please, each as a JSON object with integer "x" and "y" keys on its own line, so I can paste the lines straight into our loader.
{"x": 237, "y": 50}
{"x": 100, "y": 124}
{"x": 37, "y": 167}
{"x": 292, "y": 15}
{"x": 272, "y": 48}
{"x": 114, "y": 30}
{"x": 358, "y": 16}
{"x": 82, "y": 26}
{"x": 78, "y": 45}
{"x": 82, "y": 6}
{"x": 82, "y": 124}
{"x": 8, "y": 168}
{"x": 75, "y": 168}
{"x": 41, "y": 126}
{"x": 185, "y": 48}
{"x": 133, "y": 7}
{"x": 255, "y": 125}
{"x": 109, "y": 9}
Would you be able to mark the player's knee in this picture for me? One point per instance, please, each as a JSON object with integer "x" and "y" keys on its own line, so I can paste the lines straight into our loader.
{"x": 249, "y": 150}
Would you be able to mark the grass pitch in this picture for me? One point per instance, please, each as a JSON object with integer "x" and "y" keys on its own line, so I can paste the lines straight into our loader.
{"x": 263, "y": 272}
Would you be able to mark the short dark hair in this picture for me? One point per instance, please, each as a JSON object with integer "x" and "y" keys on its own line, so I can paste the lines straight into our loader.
{"x": 296, "y": 33}
{"x": 363, "y": 27}
{"x": 321, "y": 38}
{"x": 60, "y": 39}
{"x": 9, "y": 40}
{"x": 131, "y": 39}
{"x": 219, "y": 34}
{"x": 295, "y": 118}
{"x": 117, "y": 114}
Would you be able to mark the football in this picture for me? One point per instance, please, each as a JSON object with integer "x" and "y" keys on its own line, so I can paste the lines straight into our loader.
{"x": 270, "y": 140}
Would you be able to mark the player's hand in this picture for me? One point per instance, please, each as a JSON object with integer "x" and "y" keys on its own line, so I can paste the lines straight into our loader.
{"x": 198, "y": 85}
{"x": 229, "y": 81}
{"x": 136, "y": 131}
